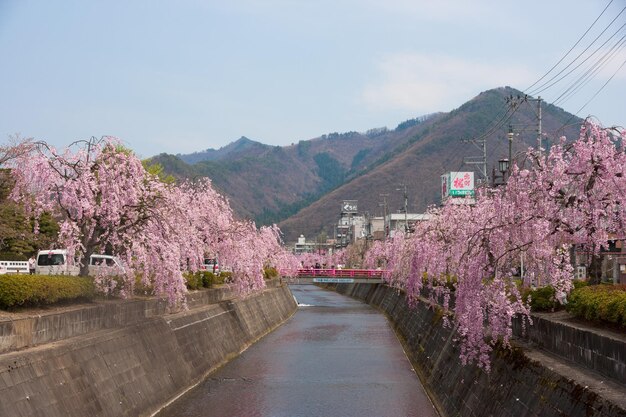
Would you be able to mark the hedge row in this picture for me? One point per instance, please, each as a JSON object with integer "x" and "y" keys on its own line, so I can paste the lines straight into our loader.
{"x": 204, "y": 279}
{"x": 544, "y": 298}
{"x": 601, "y": 303}
{"x": 36, "y": 290}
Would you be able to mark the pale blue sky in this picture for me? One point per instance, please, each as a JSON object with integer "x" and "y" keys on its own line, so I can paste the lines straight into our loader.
{"x": 183, "y": 76}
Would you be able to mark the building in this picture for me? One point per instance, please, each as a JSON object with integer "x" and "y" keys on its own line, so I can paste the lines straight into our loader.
{"x": 302, "y": 246}
{"x": 401, "y": 222}
{"x": 351, "y": 225}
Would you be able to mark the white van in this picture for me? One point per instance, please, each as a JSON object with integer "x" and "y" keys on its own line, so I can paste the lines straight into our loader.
{"x": 56, "y": 262}
{"x": 211, "y": 265}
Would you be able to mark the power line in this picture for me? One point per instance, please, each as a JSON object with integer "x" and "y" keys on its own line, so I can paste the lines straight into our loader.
{"x": 591, "y": 72}
{"x": 514, "y": 103}
{"x": 571, "y": 49}
{"x": 601, "y": 88}
{"x": 586, "y": 59}
{"x": 545, "y": 85}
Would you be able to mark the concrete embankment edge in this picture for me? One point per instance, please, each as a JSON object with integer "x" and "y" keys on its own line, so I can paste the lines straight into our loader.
{"x": 516, "y": 386}
{"x": 134, "y": 370}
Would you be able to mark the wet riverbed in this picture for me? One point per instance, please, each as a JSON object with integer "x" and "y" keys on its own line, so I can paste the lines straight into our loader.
{"x": 334, "y": 357}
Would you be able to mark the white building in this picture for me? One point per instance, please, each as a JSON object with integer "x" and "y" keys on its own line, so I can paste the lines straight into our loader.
{"x": 403, "y": 222}
{"x": 302, "y": 246}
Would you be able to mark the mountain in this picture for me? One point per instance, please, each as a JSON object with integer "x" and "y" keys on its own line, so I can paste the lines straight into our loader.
{"x": 302, "y": 185}
{"x": 241, "y": 146}
{"x": 270, "y": 183}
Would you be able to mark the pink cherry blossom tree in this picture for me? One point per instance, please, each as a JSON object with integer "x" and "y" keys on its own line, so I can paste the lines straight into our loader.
{"x": 574, "y": 195}
{"x": 107, "y": 202}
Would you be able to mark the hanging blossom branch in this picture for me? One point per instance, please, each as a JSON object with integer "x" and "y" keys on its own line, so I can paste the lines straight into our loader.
{"x": 107, "y": 202}
{"x": 574, "y": 195}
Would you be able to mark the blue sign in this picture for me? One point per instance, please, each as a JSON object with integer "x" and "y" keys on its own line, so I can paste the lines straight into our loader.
{"x": 334, "y": 280}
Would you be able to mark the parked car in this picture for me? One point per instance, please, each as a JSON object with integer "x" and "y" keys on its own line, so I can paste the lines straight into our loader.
{"x": 211, "y": 265}
{"x": 105, "y": 264}
{"x": 56, "y": 262}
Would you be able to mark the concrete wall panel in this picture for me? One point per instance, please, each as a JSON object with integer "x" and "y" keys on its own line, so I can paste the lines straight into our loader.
{"x": 133, "y": 369}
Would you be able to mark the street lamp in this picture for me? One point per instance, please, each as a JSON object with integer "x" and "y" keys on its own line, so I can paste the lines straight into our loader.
{"x": 503, "y": 166}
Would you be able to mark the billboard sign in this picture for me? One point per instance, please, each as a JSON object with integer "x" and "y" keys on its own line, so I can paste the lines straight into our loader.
{"x": 457, "y": 184}
{"x": 349, "y": 206}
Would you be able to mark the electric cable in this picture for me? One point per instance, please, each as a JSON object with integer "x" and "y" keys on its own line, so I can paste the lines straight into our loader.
{"x": 591, "y": 72}
{"x": 543, "y": 87}
{"x": 571, "y": 49}
{"x": 586, "y": 59}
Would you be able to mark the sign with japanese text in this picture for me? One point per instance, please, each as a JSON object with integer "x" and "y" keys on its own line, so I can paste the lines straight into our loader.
{"x": 457, "y": 184}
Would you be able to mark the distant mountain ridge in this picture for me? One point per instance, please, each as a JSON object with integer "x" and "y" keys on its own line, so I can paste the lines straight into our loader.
{"x": 300, "y": 186}
{"x": 241, "y": 145}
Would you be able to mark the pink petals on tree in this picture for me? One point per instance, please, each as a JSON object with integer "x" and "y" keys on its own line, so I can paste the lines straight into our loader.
{"x": 575, "y": 196}
{"x": 106, "y": 201}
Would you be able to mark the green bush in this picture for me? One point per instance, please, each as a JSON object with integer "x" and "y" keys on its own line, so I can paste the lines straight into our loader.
{"x": 193, "y": 280}
{"x": 269, "y": 273}
{"x": 204, "y": 279}
{"x": 579, "y": 283}
{"x": 601, "y": 303}
{"x": 541, "y": 299}
{"x": 208, "y": 279}
{"x": 36, "y": 290}
{"x": 12, "y": 256}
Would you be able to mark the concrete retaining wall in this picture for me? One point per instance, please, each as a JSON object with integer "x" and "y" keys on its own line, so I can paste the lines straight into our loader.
{"x": 134, "y": 369}
{"x": 601, "y": 350}
{"x": 50, "y": 327}
{"x": 517, "y": 385}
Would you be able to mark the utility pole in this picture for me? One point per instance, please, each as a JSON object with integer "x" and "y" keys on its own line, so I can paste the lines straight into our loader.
{"x": 514, "y": 102}
{"x": 510, "y": 137}
{"x": 539, "y": 124}
{"x": 481, "y": 161}
{"x": 406, "y": 203}
{"x": 384, "y": 204}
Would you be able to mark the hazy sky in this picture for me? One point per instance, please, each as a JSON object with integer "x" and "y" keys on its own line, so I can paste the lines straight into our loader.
{"x": 184, "y": 76}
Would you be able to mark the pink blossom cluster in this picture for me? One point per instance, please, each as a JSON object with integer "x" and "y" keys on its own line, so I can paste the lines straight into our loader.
{"x": 574, "y": 196}
{"x": 107, "y": 202}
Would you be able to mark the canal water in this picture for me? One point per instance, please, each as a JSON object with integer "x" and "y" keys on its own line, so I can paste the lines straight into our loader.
{"x": 335, "y": 357}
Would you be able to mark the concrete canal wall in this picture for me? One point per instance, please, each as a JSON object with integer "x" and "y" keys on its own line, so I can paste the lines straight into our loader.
{"x": 521, "y": 383}
{"x": 127, "y": 359}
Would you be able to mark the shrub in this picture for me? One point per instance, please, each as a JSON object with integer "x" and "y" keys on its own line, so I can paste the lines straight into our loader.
{"x": 12, "y": 256}
{"x": 206, "y": 279}
{"x": 601, "y": 303}
{"x": 579, "y": 283}
{"x": 269, "y": 273}
{"x": 193, "y": 280}
{"x": 35, "y": 290}
{"x": 541, "y": 299}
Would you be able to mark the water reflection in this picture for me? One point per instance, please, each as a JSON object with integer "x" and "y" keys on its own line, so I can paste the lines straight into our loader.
{"x": 335, "y": 357}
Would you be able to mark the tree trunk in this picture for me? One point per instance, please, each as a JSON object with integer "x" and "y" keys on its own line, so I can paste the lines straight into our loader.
{"x": 595, "y": 270}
